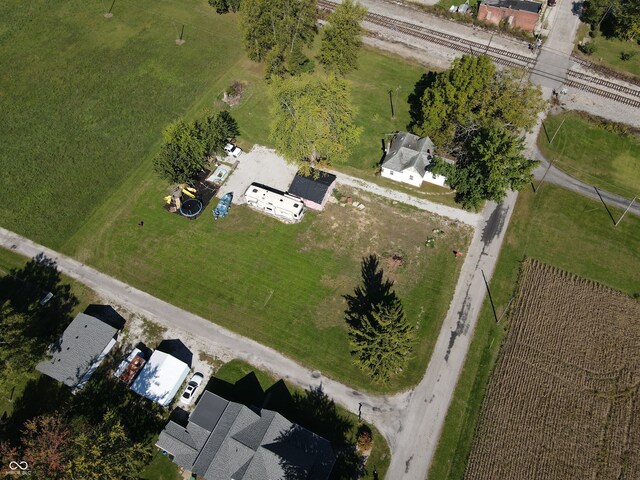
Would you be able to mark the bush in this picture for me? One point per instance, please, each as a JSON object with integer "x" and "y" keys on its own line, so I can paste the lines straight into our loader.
{"x": 364, "y": 439}
{"x": 587, "y": 48}
{"x": 626, "y": 56}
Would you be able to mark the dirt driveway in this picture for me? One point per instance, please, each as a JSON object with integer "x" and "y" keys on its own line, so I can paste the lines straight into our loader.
{"x": 262, "y": 165}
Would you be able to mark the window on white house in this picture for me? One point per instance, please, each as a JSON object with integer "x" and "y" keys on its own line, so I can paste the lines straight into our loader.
{"x": 390, "y": 172}
{"x": 410, "y": 177}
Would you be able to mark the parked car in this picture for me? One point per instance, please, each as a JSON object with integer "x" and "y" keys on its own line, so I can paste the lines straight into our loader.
{"x": 189, "y": 393}
{"x": 232, "y": 150}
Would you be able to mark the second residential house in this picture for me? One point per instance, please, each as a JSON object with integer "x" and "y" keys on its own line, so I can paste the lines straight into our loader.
{"x": 409, "y": 159}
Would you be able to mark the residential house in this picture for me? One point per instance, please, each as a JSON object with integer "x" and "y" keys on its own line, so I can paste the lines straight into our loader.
{"x": 224, "y": 440}
{"x": 283, "y": 206}
{"x": 521, "y": 14}
{"x": 161, "y": 377}
{"x": 314, "y": 189}
{"x": 409, "y": 159}
{"x": 80, "y": 350}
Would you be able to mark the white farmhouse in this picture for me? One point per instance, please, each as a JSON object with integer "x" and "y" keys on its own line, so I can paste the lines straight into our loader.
{"x": 410, "y": 159}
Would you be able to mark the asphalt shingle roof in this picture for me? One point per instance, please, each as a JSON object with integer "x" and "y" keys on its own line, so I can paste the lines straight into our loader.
{"x": 524, "y": 5}
{"x": 245, "y": 445}
{"x": 81, "y": 344}
{"x": 408, "y": 151}
{"x": 310, "y": 188}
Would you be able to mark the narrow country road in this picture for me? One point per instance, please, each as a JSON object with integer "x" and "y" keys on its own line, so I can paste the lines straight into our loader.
{"x": 556, "y": 176}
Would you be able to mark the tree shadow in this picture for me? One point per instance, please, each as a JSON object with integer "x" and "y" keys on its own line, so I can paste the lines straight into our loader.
{"x": 35, "y": 293}
{"x": 415, "y": 99}
{"x": 374, "y": 291}
{"x": 40, "y": 397}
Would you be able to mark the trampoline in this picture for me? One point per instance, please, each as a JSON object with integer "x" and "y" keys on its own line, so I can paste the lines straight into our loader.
{"x": 191, "y": 208}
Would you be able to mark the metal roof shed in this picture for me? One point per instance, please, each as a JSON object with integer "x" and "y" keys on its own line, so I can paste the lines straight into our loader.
{"x": 160, "y": 378}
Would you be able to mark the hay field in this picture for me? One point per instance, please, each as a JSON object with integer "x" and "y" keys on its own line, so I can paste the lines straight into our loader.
{"x": 563, "y": 399}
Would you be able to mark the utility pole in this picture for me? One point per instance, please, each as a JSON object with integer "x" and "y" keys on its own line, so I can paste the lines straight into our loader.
{"x": 109, "y": 14}
{"x": 397, "y": 89}
{"x": 393, "y": 113}
{"x": 493, "y": 307}
{"x": 605, "y": 14}
{"x": 488, "y": 44}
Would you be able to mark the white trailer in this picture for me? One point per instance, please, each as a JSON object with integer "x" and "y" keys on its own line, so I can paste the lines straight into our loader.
{"x": 283, "y": 206}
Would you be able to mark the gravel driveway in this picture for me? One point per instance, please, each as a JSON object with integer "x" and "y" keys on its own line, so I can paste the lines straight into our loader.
{"x": 261, "y": 165}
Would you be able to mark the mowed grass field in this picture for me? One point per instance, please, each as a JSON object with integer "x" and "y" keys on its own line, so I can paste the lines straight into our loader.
{"x": 562, "y": 401}
{"x": 86, "y": 102}
{"x": 559, "y": 228}
{"x": 84, "y": 99}
{"x": 586, "y": 150}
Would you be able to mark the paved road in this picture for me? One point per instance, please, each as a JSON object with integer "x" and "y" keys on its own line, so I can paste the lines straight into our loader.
{"x": 414, "y": 445}
{"x": 558, "y": 177}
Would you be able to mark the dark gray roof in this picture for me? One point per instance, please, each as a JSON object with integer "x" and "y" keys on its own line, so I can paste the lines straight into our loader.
{"x": 245, "y": 445}
{"x": 408, "y": 151}
{"x": 76, "y": 352}
{"x": 310, "y": 188}
{"x": 524, "y": 5}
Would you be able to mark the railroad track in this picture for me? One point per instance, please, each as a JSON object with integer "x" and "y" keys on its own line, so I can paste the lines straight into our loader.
{"x": 604, "y": 83}
{"x": 498, "y": 55}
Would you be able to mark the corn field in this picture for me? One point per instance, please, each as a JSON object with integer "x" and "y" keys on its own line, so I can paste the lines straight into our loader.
{"x": 562, "y": 402}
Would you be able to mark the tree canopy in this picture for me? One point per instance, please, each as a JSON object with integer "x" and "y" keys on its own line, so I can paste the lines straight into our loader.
{"x": 225, "y": 6}
{"x": 490, "y": 163}
{"x": 276, "y": 29}
{"x": 617, "y": 18}
{"x": 313, "y": 121}
{"x": 341, "y": 38}
{"x": 477, "y": 115}
{"x": 187, "y": 145}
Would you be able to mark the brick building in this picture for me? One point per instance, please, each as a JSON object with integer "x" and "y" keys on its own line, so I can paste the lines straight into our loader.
{"x": 521, "y": 14}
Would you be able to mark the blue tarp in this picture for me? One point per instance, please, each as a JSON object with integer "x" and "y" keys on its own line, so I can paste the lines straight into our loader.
{"x": 222, "y": 209}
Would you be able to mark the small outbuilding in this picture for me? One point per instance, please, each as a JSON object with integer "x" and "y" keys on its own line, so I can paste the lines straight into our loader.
{"x": 314, "y": 189}
{"x": 161, "y": 378}
{"x": 78, "y": 353}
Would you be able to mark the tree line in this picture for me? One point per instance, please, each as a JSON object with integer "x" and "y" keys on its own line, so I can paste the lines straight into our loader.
{"x": 615, "y": 18}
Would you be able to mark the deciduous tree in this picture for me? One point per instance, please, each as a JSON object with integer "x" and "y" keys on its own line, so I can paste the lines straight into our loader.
{"x": 490, "y": 163}
{"x": 216, "y": 130}
{"x": 341, "y": 38}
{"x": 277, "y": 24}
{"x": 183, "y": 153}
{"x": 46, "y": 441}
{"x": 618, "y": 18}
{"x": 313, "y": 122}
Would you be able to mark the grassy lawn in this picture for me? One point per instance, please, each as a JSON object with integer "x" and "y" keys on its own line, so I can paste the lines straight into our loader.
{"x": 161, "y": 468}
{"x": 556, "y": 227}
{"x": 380, "y": 455}
{"x": 89, "y": 99}
{"x": 593, "y": 154}
{"x": 608, "y": 51}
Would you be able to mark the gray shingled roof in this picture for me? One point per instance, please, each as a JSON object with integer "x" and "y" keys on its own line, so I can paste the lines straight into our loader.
{"x": 408, "y": 151}
{"x": 245, "y": 445}
{"x": 74, "y": 353}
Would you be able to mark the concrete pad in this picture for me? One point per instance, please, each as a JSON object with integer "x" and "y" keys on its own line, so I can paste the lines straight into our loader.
{"x": 260, "y": 165}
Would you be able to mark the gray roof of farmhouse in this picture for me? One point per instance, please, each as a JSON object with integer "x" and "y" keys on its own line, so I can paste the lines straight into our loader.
{"x": 408, "y": 151}
{"x": 82, "y": 342}
{"x": 225, "y": 440}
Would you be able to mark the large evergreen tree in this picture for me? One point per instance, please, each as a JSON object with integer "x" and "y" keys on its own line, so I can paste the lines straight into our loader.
{"x": 183, "y": 153}
{"x": 341, "y": 38}
{"x": 383, "y": 341}
{"x": 313, "y": 122}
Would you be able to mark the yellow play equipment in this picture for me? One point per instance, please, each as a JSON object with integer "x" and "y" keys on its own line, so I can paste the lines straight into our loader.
{"x": 175, "y": 199}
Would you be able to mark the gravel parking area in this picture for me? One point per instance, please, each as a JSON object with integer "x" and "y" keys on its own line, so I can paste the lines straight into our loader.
{"x": 262, "y": 165}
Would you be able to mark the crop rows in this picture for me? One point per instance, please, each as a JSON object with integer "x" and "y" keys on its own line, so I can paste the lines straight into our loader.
{"x": 562, "y": 402}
